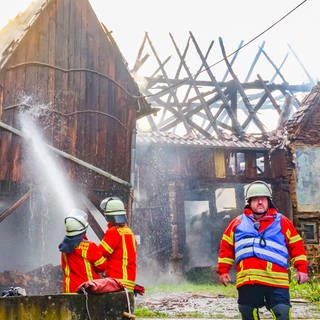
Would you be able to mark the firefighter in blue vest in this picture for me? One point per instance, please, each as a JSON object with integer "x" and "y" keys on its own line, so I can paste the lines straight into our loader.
{"x": 261, "y": 242}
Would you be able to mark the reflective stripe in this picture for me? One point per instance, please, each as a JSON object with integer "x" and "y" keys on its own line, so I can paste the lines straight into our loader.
{"x": 263, "y": 276}
{"x": 269, "y": 243}
{"x": 226, "y": 260}
{"x": 274, "y": 317}
{"x": 100, "y": 261}
{"x": 243, "y": 241}
{"x": 128, "y": 284}
{"x": 255, "y": 314}
{"x": 294, "y": 239}
{"x": 228, "y": 239}
{"x": 264, "y": 273}
{"x": 265, "y": 280}
{"x": 106, "y": 246}
{"x": 265, "y": 252}
{"x": 299, "y": 258}
{"x": 67, "y": 273}
{"x": 87, "y": 263}
{"x": 124, "y": 258}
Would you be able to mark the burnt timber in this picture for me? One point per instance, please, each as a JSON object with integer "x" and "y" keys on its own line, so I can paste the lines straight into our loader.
{"x": 208, "y": 139}
{"x": 195, "y": 102}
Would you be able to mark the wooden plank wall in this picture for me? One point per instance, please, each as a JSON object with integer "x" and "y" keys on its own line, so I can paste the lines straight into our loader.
{"x": 98, "y": 129}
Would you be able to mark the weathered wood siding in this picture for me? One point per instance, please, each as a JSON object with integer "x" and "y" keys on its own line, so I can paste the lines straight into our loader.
{"x": 167, "y": 177}
{"x": 297, "y": 165}
{"x": 92, "y": 114}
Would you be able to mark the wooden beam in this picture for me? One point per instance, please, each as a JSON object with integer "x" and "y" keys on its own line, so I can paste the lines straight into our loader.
{"x": 233, "y": 60}
{"x": 256, "y": 108}
{"x": 139, "y": 62}
{"x": 170, "y": 89}
{"x": 199, "y": 71}
{"x": 71, "y": 157}
{"x": 225, "y": 101}
{"x": 4, "y": 214}
{"x": 281, "y": 76}
{"x": 268, "y": 92}
{"x": 93, "y": 214}
{"x": 203, "y": 101}
{"x": 241, "y": 90}
{"x": 256, "y": 58}
{"x": 312, "y": 82}
{"x": 279, "y": 68}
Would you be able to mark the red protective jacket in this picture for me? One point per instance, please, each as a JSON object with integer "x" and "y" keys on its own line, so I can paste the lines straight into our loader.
{"x": 119, "y": 246}
{"x": 253, "y": 270}
{"x": 81, "y": 265}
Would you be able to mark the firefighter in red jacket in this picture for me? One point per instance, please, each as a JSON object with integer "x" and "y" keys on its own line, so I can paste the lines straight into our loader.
{"x": 119, "y": 244}
{"x": 81, "y": 260}
{"x": 261, "y": 242}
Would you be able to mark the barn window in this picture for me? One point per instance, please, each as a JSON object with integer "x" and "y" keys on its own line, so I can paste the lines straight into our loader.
{"x": 236, "y": 163}
{"x": 309, "y": 231}
{"x": 225, "y": 199}
{"x": 241, "y": 163}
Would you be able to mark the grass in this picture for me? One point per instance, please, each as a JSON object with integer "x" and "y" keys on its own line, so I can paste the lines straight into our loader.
{"x": 208, "y": 289}
{"x": 309, "y": 291}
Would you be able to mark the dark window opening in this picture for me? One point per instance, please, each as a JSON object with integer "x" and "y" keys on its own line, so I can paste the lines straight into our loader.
{"x": 309, "y": 231}
{"x": 241, "y": 163}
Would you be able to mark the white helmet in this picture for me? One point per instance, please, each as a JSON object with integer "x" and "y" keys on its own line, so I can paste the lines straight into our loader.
{"x": 114, "y": 210}
{"x": 76, "y": 223}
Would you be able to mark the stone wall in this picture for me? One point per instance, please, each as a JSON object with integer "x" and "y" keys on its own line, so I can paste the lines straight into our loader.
{"x": 107, "y": 306}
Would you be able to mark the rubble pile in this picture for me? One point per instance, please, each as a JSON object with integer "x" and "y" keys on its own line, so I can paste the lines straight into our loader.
{"x": 43, "y": 280}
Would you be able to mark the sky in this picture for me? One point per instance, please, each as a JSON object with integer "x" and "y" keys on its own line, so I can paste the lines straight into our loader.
{"x": 233, "y": 20}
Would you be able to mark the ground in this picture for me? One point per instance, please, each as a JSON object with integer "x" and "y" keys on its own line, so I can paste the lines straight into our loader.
{"x": 188, "y": 305}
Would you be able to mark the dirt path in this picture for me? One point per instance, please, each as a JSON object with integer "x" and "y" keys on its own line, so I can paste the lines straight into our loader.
{"x": 209, "y": 307}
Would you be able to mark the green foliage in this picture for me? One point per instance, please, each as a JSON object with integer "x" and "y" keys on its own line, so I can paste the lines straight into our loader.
{"x": 309, "y": 291}
{"x": 147, "y": 313}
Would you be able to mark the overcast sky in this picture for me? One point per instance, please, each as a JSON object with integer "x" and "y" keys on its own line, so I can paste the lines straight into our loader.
{"x": 233, "y": 20}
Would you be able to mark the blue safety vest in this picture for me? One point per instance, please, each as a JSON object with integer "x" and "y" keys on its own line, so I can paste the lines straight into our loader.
{"x": 269, "y": 245}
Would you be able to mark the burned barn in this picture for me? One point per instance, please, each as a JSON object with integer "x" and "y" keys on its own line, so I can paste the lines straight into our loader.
{"x": 208, "y": 141}
{"x": 60, "y": 67}
{"x": 295, "y": 153}
{"x": 205, "y": 138}
{"x": 187, "y": 190}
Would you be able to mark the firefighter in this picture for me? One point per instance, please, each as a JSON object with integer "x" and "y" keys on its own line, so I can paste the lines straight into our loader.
{"x": 261, "y": 241}
{"x": 81, "y": 260}
{"x": 119, "y": 244}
